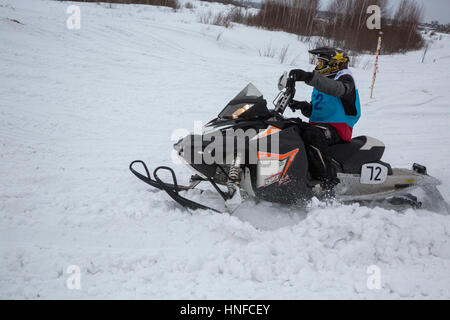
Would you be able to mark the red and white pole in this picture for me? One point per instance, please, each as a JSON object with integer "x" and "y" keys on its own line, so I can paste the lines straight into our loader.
{"x": 376, "y": 65}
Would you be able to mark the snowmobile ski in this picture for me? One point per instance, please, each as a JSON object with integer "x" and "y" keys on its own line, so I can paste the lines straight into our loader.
{"x": 171, "y": 189}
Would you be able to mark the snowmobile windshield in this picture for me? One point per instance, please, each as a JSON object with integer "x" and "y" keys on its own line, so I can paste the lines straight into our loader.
{"x": 248, "y": 104}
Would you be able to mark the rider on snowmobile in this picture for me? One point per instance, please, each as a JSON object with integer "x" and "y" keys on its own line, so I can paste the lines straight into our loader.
{"x": 333, "y": 111}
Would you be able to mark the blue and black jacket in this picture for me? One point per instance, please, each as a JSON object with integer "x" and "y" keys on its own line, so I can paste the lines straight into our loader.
{"x": 335, "y": 102}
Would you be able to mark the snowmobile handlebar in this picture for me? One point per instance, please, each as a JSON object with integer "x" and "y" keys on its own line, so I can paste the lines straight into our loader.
{"x": 286, "y": 95}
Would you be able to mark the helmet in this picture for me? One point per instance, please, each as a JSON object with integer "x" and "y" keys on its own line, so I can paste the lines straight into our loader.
{"x": 330, "y": 60}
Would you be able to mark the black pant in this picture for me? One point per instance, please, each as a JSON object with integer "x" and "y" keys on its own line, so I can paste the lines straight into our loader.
{"x": 318, "y": 138}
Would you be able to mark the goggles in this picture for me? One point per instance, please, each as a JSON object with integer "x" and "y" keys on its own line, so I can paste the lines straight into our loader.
{"x": 321, "y": 63}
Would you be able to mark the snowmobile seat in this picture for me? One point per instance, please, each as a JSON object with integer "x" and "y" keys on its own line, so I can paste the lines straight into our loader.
{"x": 352, "y": 155}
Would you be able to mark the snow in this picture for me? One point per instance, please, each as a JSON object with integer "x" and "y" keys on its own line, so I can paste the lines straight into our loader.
{"x": 77, "y": 106}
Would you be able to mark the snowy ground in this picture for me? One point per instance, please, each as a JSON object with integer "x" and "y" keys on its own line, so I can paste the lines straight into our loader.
{"x": 76, "y": 106}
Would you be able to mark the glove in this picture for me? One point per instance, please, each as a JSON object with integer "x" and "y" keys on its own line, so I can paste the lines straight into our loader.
{"x": 304, "y": 106}
{"x": 300, "y": 75}
{"x": 290, "y": 83}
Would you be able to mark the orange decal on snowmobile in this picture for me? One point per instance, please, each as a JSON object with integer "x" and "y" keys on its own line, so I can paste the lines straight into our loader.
{"x": 270, "y": 130}
{"x": 273, "y": 156}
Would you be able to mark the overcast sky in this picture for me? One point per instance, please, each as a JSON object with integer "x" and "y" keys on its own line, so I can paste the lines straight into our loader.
{"x": 434, "y": 9}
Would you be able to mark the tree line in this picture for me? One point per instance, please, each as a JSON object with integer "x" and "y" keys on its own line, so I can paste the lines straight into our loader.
{"x": 342, "y": 23}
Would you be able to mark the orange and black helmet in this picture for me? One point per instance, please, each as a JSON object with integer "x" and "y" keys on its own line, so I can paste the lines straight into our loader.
{"x": 330, "y": 60}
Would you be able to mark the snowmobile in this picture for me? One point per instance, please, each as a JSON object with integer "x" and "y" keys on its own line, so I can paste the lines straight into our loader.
{"x": 268, "y": 161}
